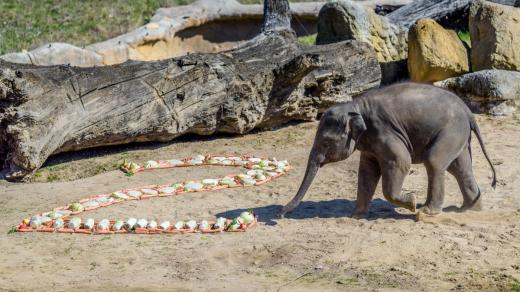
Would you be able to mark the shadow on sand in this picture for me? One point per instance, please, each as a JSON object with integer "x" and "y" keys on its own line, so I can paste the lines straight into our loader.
{"x": 338, "y": 208}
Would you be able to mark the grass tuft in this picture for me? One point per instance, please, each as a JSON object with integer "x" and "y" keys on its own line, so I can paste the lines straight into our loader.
{"x": 465, "y": 37}
{"x": 26, "y": 24}
{"x": 12, "y": 230}
{"x": 515, "y": 285}
{"x": 308, "y": 40}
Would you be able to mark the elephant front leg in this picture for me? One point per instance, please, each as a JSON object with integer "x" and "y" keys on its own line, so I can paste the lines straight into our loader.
{"x": 394, "y": 173}
{"x": 368, "y": 177}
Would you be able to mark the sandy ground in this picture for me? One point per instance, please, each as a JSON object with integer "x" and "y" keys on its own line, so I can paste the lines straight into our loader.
{"x": 317, "y": 247}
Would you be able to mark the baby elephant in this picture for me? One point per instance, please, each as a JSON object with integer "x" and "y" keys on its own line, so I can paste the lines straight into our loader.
{"x": 394, "y": 127}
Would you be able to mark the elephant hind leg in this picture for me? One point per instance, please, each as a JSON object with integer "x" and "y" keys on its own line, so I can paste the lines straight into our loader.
{"x": 461, "y": 168}
{"x": 447, "y": 147}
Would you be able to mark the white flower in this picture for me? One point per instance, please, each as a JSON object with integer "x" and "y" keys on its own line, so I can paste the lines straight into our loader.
{"x": 167, "y": 190}
{"x": 119, "y": 195}
{"x": 149, "y": 192}
{"x": 192, "y": 224}
{"x": 118, "y": 225}
{"x": 103, "y": 224}
{"x": 89, "y": 223}
{"x": 151, "y": 163}
{"x": 175, "y": 162}
{"x": 204, "y": 225}
{"x": 165, "y": 225}
{"x": 152, "y": 224}
{"x": 58, "y": 223}
{"x": 74, "y": 223}
{"x": 210, "y": 182}
{"x": 142, "y": 223}
{"x": 76, "y": 207}
{"x": 248, "y": 217}
{"x": 179, "y": 225}
{"x": 35, "y": 221}
{"x": 193, "y": 186}
{"x": 130, "y": 223}
{"x": 134, "y": 194}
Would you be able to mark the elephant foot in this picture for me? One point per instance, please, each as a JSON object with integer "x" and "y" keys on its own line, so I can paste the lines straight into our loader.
{"x": 473, "y": 206}
{"x": 430, "y": 211}
{"x": 281, "y": 213}
{"x": 359, "y": 214}
{"x": 406, "y": 201}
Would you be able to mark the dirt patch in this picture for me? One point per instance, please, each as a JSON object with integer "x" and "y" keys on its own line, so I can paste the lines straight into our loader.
{"x": 317, "y": 247}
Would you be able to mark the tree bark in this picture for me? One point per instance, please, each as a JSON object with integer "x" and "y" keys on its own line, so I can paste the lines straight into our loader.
{"x": 269, "y": 81}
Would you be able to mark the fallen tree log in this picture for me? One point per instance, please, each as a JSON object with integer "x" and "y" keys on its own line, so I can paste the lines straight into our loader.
{"x": 268, "y": 81}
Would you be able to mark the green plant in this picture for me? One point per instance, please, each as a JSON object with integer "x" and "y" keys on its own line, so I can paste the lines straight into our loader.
{"x": 28, "y": 24}
{"x": 515, "y": 285}
{"x": 12, "y": 230}
{"x": 38, "y": 174}
{"x": 308, "y": 40}
{"x": 465, "y": 37}
{"x": 53, "y": 177}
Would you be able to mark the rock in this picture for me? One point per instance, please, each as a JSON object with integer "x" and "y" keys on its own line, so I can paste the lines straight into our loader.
{"x": 347, "y": 20}
{"x": 56, "y": 53}
{"x": 515, "y": 3}
{"x": 435, "y": 53}
{"x": 489, "y": 91}
{"x": 22, "y": 57}
{"x": 495, "y": 36}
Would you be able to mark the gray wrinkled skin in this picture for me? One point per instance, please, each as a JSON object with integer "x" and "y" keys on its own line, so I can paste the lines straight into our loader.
{"x": 394, "y": 127}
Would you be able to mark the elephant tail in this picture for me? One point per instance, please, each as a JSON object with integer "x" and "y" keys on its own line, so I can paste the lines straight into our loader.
{"x": 476, "y": 130}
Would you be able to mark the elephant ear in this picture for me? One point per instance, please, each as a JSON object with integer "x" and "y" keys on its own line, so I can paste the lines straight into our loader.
{"x": 357, "y": 125}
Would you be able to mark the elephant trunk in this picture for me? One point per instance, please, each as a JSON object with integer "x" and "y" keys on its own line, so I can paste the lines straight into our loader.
{"x": 312, "y": 168}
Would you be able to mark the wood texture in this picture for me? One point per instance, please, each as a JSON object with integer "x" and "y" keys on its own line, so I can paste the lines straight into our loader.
{"x": 267, "y": 82}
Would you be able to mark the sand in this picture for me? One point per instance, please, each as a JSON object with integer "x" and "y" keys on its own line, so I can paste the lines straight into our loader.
{"x": 317, "y": 247}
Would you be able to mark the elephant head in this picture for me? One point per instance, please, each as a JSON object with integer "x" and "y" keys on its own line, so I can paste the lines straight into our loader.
{"x": 339, "y": 130}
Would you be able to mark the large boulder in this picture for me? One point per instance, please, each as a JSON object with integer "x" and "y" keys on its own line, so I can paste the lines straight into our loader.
{"x": 348, "y": 20}
{"x": 435, "y": 53}
{"x": 495, "y": 92}
{"x": 515, "y": 3}
{"x": 495, "y": 36}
